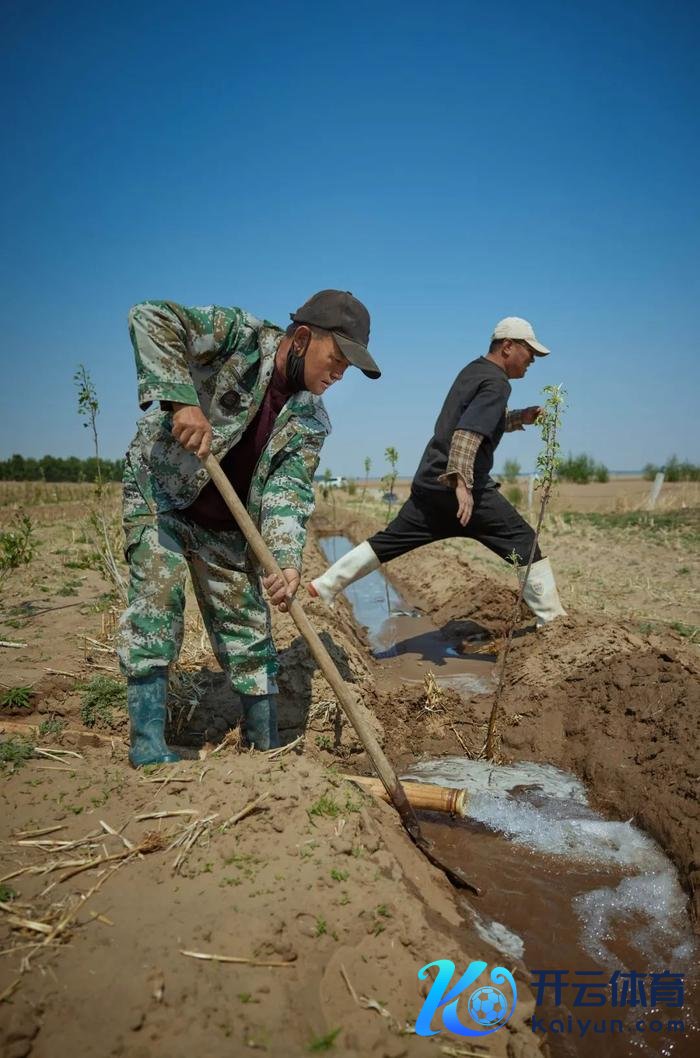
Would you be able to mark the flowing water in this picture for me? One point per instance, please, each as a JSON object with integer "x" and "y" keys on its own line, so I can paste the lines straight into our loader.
{"x": 563, "y": 889}
{"x": 405, "y": 640}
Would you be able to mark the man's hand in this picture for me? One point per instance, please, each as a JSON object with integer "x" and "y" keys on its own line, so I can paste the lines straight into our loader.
{"x": 192, "y": 429}
{"x": 530, "y": 414}
{"x": 281, "y": 591}
{"x": 465, "y": 502}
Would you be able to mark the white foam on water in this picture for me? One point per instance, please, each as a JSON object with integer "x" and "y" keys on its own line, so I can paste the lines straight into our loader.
{"x": 474, "y": 775}
{"x": 467, "y": 683}
{"x": 499, "y": 936}
{"x": 656, "y": 898}
{"x": 546, "y": 810}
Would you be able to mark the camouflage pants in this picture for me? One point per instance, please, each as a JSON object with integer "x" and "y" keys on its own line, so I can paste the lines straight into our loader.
{"x": 159, "y": 549}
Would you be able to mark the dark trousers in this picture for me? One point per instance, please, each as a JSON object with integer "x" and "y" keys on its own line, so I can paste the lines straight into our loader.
{"x": 424, "y": 517}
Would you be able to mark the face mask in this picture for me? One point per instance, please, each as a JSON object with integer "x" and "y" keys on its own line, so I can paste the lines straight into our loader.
{"x": 295, "y": 371}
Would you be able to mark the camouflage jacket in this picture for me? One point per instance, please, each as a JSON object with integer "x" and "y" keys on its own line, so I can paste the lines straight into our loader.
{"x": 222, "y": 359}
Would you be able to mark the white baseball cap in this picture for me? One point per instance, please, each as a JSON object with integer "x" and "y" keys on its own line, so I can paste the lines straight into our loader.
{"x": 520, "y": 330}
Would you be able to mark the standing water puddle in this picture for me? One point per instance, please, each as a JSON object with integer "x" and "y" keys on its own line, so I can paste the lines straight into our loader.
{"x": 404, "y": 640}
{"x": 565, "y": 889}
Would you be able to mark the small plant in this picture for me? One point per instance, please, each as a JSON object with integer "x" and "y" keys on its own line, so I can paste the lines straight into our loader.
{"x": 88, "y": 410}
{"x": 325, "y": 483}
{"x": 102, "y": 697}
{"x": 389, "y": 480}
{"x": 325, "y": 806}
{"x": 324, "y": 1043}
{"x": 14, "y": 752}
{"x": 7, "y": 893}
{"x": 388, "y": 483}
{"x": 321, "y": 926}
{"x": 16, "y": 697}
{"x": 17, "y": 546}
{"x": 511, "y": 469}
{"x": 368, "y": 467}
{"x": 339, "y": 876}
{"x": 351, "y": 487}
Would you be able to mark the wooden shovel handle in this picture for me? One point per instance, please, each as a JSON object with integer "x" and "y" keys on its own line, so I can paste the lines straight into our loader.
{"x": 345, "y": 695}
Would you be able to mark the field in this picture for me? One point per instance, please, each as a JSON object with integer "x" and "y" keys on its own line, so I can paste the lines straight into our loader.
{"x": 109, "y": 877}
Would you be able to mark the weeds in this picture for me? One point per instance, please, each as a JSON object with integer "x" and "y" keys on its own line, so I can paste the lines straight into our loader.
{"x": 14, "y": 752}
{"x": 16, "y": 697}
{"x": 17, "y": 546}
{"x": 324, "y": 1043}
{"x": 651, "y": 523}
{"x": 102, "y": 696}
{"x": 52, "y": 725}
{"x": 7, "y": 893}
{"x": 321, "y": 926}
{"x": 325, "y": 806}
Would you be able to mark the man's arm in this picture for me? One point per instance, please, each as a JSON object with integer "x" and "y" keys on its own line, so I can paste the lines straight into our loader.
{"x": 287, "y": 504}
{"x": 459, "y": 474}
{"x": 166, "y": 337}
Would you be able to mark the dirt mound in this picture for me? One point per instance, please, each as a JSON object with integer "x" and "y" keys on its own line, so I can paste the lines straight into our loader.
{"x": 317, "y": 890}
{"x": 620, "y": 710}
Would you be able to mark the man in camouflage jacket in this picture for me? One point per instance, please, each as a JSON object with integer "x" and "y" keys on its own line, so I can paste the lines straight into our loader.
{"x": 248, "y": 392}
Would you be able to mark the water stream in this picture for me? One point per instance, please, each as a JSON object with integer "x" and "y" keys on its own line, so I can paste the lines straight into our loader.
{"x": 564, "y": 888}
{"x": 406, "y": 641}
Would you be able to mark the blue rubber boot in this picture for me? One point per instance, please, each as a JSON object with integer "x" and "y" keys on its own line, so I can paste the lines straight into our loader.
{"x": 146, "y": 697}
{"x": 260, "y": 714}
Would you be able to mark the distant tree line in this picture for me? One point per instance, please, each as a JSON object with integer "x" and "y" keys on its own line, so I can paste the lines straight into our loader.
{"x": 58, "y": 468}
{"x": 675, "y": 469}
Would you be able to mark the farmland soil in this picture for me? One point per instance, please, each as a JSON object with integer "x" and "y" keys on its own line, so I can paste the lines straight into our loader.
{"x": 315, "y": 878}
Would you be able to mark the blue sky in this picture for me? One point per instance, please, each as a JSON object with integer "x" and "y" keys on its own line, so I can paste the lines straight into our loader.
{"x": 448, "y": 163}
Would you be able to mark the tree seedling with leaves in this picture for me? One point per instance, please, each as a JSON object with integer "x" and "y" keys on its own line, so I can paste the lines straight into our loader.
{"x": 368, "y": 466}
{"x": 88, "y": 410}
{"x": 546, "y": 468}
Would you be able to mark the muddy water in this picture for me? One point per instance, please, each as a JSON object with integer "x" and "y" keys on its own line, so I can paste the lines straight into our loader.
{"x": 565, "y": 889}
{"x": 404, "y": 640}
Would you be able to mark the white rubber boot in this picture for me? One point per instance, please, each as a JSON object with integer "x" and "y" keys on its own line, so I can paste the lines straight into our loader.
{"x": 351, "y": 567}
{"x": 541, "y": 593}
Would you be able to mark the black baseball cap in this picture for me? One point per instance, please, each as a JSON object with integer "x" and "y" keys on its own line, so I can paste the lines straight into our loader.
{"x": 347, "y": 319}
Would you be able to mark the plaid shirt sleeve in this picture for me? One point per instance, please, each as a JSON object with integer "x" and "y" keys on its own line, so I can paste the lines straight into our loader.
{"x": 460, "y": 462}
{"x": 514, "y": 421}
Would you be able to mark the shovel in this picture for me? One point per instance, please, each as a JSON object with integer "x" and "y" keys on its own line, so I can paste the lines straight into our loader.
{"x": 345, "y": 695}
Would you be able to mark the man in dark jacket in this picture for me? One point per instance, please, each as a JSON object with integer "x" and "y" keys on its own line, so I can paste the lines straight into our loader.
{"x": 452, "y": 492}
